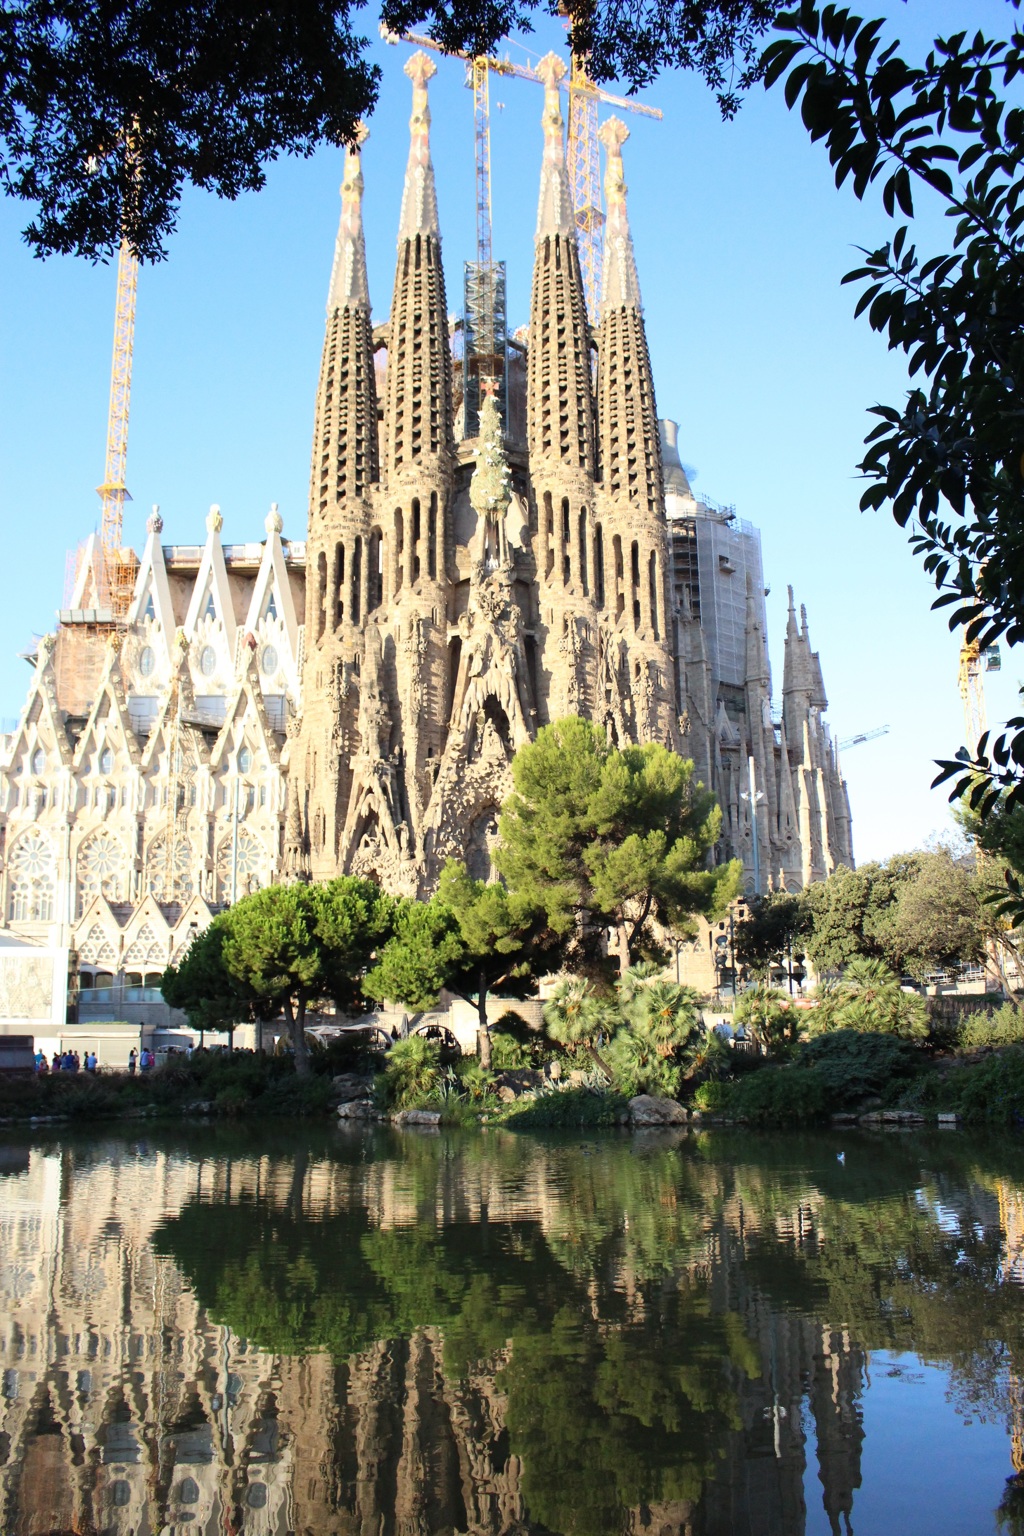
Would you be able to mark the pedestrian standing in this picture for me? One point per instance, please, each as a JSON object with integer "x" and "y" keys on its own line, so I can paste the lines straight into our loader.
{"x": 133, "y": 1061}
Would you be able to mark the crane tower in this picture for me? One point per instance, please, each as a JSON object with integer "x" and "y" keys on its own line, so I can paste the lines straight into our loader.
{"x": 118, "y": 564}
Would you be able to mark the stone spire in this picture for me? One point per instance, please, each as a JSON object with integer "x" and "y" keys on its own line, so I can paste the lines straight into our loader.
{"x": 419, "y": 195}
{"x": 554, "y": 211}
{"x": 621, "y": 286}
{"x": 796, "y": 681}
{"x": 560, "y": 427}
{"x": 757, "y": 669}
{"x": 348, "y": 274}
{"x": 630, "y": 437}
{"x": 345, "y": 459}
{"x": 418, "y": 396}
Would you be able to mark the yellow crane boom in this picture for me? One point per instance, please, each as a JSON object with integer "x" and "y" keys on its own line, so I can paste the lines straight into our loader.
{"x": 118, "y": 566}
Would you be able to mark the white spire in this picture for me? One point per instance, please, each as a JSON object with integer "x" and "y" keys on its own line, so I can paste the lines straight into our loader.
{"x": 349, "y": 286}
{"x": 554, "y": 212}
{"x": 620, "y": 284}
{"x": 419, "y": 195}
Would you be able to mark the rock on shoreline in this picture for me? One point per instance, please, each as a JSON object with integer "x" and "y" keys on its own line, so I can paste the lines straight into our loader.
{"x": 646, "y": 1110}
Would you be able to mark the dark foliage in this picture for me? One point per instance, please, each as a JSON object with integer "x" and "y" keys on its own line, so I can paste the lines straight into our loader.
{"x": 109, "y": 109}
{"x": 854, "y": 1066}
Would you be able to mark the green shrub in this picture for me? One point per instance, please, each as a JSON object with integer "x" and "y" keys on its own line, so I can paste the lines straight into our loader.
{"x": 987, "y": 1092}
{"x": 295, "y": 1096}
{"x": 232, "y": 1102}
{"x": 712, "y": 1096}
{"x": 853, "y": 1066}
{"x": 767, "y": 1015}
{"x": 568, "y": 1109}
{"x": 411, "y": 1076}
{"x": 1004, "y": 1027}
{"x": 780, "y": 1096}
{"x": 868, "y": 998}
{"x": 475, "y": 1081}
{"x": 508, "y": 1053}
{"x": 638, "y": 1067}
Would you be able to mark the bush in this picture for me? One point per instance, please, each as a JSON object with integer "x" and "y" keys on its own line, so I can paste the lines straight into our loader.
{"x": 854, "y": 1066}
{"x": 568, "y": 1109}
{"x": 637, "y": 1066}
{"x": 767, "y": 1015}
{"x": 987, "y": 1092}
{"x": 296, "y": 1097}
{"x": 475, "y": 1081}
{"x": 1004, "y": 1027}
{"x": 411, "y": 1076}
{"x": 780, "y": 1096}
{"x": 712, "y": 1096}
{"x": 508, "y": 1053}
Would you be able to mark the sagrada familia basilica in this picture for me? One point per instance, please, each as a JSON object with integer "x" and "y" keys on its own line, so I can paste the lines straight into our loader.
{"x": 474, "y": 567}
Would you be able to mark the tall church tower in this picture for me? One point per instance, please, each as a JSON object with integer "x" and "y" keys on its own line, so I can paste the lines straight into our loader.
{"x": 339, "y": 553}
{"x": 632, "y": 536}
{"x": 560, "y": 435}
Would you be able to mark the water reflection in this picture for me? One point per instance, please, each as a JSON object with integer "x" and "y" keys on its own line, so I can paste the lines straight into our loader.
{"x": 491, "y": 1333}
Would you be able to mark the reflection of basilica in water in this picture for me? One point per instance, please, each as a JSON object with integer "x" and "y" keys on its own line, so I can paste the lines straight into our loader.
{"x": 134, "y": 1404}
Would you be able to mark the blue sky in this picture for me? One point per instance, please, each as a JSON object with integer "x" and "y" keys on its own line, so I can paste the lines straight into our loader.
{"x": 741, "y": 242}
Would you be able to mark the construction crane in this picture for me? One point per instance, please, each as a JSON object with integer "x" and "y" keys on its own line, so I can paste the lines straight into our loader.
{"x": 118, "y": 578}
{"x": 862, "y": 736}
{"x": 974, "y": 660}
{"x": 583, "y": 150}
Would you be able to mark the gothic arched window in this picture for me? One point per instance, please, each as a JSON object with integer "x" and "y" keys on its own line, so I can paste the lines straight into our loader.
{"x": 32, "y": 867}
{"x": 252, "y": 870}
{"x": 102, "y": 868}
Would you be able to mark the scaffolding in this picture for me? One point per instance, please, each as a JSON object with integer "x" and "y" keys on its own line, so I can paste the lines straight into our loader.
{"x": 728, "y": 553}
{"x": 585, "y": 179}
{"x": 484, "y": 339}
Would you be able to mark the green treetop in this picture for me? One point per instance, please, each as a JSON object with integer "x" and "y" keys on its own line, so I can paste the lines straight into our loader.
{"x": 291, "y": 945}
{"x": 470, "y": 938}
{"x": 597, "y": 836}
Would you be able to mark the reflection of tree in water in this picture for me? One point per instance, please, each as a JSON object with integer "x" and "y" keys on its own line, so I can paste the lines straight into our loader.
{"x": 610, "y": 1401}
{"x": 617, "y": 1330}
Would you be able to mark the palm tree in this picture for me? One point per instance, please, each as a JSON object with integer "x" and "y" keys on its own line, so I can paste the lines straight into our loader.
{"x": 868, "y": 997}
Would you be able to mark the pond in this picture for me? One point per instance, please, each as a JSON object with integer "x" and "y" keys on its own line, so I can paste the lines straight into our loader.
{"x": 327, "y": 1331}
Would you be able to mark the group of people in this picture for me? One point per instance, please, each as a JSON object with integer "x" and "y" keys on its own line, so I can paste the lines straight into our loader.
{"x": 66, "y": 1061}
{"x": 71, "y": 1061}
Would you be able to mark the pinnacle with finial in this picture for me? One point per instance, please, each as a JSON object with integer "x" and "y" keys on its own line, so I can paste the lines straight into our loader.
{"x": 419, "y": 195}
{"x": 621, "y": 285}
{"x": 349, "y": 286}
{"x": 554, "y": 212}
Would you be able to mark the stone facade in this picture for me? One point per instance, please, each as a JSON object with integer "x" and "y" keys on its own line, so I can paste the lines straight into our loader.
{"x": 462, "y": 595}
{"x": 278, "y": 710}
{"x": 132, "y": 815}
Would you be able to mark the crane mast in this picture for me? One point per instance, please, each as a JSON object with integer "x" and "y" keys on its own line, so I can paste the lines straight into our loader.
{"x": 118, "y": 566}
{"x": 972, "y": 693}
